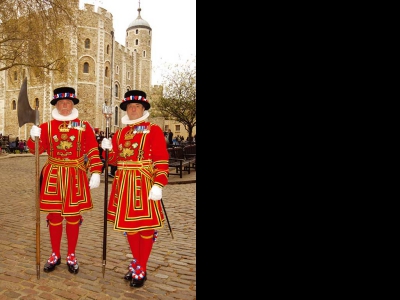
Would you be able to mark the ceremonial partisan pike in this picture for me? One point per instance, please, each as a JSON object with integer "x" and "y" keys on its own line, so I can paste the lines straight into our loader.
{"x": 28, "y": 115}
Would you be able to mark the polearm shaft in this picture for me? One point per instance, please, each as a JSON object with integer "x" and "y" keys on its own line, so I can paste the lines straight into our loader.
{"x": 105, "y": 208}
{"x": 37, "y": 199}
{"x": 107, "y": 113}
{"x": 166, "y": 216}
{"x": 28, "y": 115}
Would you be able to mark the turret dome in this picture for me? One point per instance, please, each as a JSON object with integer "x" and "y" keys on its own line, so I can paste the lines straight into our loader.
{"x": 139, "y": 22}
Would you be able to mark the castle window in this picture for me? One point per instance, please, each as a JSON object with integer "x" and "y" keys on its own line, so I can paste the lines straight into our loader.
{"x": 136, "y": 42}
{"x": 108, "y": 49}
{"x": 117, "y": 70}
{"x": 15, "y": 75}
{"x": 116, "y": 118}
{"x": 144, "y": 53}
{"x": 86, "y": 67}
{"x": 87, "y": 44}
{"x": 14, "y": 105}
{"x": 137, "y": 31}
{"x": 106, "y": 72}
{"x": 116, "y": 91}
{"x": 128, "y": 75}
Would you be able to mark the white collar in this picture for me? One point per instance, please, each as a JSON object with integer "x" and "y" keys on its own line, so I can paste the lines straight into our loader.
{"x": 56, "y": 115}
{"x": 125, "y": 119}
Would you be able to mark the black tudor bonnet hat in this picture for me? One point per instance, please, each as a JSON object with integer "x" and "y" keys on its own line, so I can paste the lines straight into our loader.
{"x": 134, "y": 96}
{"x": 64, "y": 93}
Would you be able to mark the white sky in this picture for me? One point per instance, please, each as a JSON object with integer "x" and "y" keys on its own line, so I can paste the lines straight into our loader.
{"x": 173, "y": 24}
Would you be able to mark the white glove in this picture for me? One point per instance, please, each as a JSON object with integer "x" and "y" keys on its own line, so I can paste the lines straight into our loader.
{"x": 155, "y": 193}
{"x": 106, "y": 144}
{"x": 94, "y": 181}
{"x": 35, "y": 132}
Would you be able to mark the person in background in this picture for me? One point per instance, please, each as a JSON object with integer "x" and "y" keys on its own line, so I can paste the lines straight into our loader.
{"x": 140, "y": 153}
{"x": 13, "y": 147}
{"x": 101, "y": 156}
{"x": 113, "y": 168}
{"x": 21, "y": 146}
{"x": 170, "y": 135}
{"x": 64, "y": 185}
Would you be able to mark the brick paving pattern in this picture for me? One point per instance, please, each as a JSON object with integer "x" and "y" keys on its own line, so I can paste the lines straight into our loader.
{"x": 171, "y": 266}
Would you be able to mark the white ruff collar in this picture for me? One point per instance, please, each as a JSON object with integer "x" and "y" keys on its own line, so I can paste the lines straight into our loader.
{"x": 125, "y": 119}
{"x": 56, "y": 115}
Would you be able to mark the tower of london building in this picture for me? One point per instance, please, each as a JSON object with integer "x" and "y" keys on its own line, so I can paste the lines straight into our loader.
{"x": 101, "y": 71}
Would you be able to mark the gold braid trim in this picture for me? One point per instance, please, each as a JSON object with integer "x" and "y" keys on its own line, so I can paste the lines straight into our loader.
{"x": 146, "y": 236}
{"x": 77, "y": 163}
{"x": 132, "y": 233}
{"x": 133, "y": 165}
{"x": 55, "y": 224}
{"x": 73, "y": 223}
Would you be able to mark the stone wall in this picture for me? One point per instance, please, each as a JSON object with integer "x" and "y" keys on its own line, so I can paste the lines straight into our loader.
{"x": 126, "y": 68}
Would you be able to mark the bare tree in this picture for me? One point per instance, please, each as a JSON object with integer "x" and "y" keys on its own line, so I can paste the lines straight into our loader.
{"x": 178, "y": 101}
{"x": 32, "y": 33}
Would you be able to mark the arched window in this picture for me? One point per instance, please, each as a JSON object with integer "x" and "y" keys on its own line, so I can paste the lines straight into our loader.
{"x": 116, "y": 118}
{"x": 14, "y": 105}
{"x": 87, "y": 44}
{"x": 106, "y": 72}
{"x": 108, "y": 49}
{"x": 86, "y": 67}
{"x": 144, "y": 53}
{"x": 137, "y": 31}
{"x": 116, "y": 90}
{"x": 136, "y": 42}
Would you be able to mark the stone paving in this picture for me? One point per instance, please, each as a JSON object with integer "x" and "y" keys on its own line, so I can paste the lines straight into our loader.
{"x": 171, "y": 266}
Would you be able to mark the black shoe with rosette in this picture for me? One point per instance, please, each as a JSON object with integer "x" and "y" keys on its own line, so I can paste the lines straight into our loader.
{"x": 138, "y": 279}
{"x": 72, "y": 264}
{"x": 51, "y": 263}
{"x": 132, "y": 267}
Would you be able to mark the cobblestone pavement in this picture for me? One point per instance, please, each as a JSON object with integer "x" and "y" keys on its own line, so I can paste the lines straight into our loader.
{"x": 171, "y": 266}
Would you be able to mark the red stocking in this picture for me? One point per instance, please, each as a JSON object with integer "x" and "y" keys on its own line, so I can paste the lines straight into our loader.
{"x": 133, "y": 240}
{"x": 146, "y": 244}
{"x": 54, "y": 221}
{"x": 72, "y": 230}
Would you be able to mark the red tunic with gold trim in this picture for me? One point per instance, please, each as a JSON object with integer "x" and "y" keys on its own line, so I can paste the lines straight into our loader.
{"x": 64, "y": 184}
{"x": 140, "y": 153}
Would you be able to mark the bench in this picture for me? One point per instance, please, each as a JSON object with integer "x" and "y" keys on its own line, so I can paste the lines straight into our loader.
{"x": 190, "y": 155}
{"x": 178, "y": 161}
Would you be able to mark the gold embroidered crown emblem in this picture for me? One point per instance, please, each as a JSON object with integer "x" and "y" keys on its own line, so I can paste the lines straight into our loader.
{"x": 63, "y": 127}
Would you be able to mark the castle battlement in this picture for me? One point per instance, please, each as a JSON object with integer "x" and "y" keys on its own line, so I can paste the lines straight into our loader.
{"x": 100, "y": 10}
{"x": 89, "y": 7}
